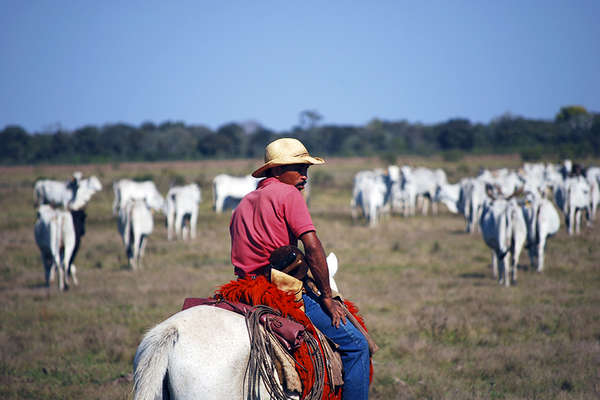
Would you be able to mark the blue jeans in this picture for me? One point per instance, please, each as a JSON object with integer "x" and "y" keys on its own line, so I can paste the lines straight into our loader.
{"x": 354, "y": 349}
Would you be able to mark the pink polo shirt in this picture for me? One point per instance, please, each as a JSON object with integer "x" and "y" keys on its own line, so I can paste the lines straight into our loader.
{"x": 273, "y": 215}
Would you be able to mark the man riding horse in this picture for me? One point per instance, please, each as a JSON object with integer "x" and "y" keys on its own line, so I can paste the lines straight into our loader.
{"x": 276, "y": 215}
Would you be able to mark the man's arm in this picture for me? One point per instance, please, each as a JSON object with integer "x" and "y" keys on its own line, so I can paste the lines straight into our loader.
{"x": 315, "y": 256}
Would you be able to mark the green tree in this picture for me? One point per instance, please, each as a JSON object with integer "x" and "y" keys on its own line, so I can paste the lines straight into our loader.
{"x": 234, "y": 140}
{"x": 456, "y": 134}
{"x": 14, "y": 146}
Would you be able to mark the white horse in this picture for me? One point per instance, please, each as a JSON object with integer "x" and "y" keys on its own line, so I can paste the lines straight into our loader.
{"x": 199, "y": 353}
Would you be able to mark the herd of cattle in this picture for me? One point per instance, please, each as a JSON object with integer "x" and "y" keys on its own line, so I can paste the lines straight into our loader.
{"x": 512, "y": 208}
{"x": 60, "y": 220}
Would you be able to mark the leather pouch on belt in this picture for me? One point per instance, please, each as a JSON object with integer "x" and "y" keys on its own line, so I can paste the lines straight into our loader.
{"x": 288, "y": 283}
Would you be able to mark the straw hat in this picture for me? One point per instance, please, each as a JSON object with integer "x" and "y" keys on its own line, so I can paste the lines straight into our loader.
{"x": 285, "y": 151}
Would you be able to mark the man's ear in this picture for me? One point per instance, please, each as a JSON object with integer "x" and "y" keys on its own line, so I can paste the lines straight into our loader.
{"x": 276, "y": 171}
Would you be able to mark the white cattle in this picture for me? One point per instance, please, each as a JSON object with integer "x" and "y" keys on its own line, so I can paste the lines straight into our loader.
{"x": 504, "y": 231}
{"x": 181, "y": 204}
{"x": 503, "y": 180}
{"x": 231, "y": 187}
{"x": 470, "y": 202}
{"x": 552, "y": 176}
{"x": 359, "y": 179}
{"x": 593, "y": 173}
{"x": 85, "y": 190}
{"x": 55, "y": 236}
{"x": 126, "y": 189}
{"x": 560, "y": 195}
{"x": 373, "y": 199}
{"x": 135, "y": 224}
{"x": 533, "y": 175}
{"x": 424, "y": 182}
{"x": 73, "y": 194}
{"x": 577, "y": 199}
{"x": 566, "y": 168}
{"x": 594, "y": 195}
{"x": 542, "y": 221}
{"x": 449, "y": 195}
{"x": 370, "y": 195}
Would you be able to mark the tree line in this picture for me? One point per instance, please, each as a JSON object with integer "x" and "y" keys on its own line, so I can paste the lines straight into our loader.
{"x": 573, "y": 133}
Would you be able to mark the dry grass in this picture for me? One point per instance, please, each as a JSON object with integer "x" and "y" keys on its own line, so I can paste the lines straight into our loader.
{"x": 445, "y": 328}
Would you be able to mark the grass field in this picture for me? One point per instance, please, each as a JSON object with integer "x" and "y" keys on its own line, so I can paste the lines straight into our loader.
{"x": 446, "y": 329}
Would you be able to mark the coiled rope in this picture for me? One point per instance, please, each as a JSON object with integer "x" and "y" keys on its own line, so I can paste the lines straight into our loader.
{"x": 261, "y": 367}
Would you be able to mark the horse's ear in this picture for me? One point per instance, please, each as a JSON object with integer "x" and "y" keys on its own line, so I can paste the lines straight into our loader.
{"x": 332, "y": 264}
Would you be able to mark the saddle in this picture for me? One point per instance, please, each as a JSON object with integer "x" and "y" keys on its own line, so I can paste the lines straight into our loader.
{"x": 306, "y": 361}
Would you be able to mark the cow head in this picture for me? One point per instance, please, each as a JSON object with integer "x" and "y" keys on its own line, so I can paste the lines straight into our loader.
{"x": 85, "y": 190}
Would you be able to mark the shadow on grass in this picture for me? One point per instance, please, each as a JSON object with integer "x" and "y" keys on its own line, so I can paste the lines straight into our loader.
{"x": 458, "y": 232}
{"x": 473, "y": 275}
{"x": 36, "y": 286}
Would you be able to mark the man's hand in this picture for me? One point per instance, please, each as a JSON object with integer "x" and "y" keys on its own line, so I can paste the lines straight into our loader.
{"x": 335, "y": 310}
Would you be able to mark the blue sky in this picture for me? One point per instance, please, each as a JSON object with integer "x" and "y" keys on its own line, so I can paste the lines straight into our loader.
{"x": 75, "y": 63}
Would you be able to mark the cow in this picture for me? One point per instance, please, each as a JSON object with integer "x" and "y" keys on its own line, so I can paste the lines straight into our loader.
{"x": 73, "y": 194}
{"x": 372, "y": 198}
{"x": 470, "y": 202}
{"x": 593, "y": 173}
{"x": 502, "y": 180}
{"x": 55, "y": 236}
{"x": 504, "y": 231}
{"x": 594, "y": 195}
{"x": 182, "y": 204}
{"x": 126, "y": 189}
{"x": 231, "y": 189}
{"x": 448, "y": 194}
{"x": 423, "y": 183}
{"x": 371, "y": 195}
{"x": 135, "y": 224}
{"x": 577, "y": 200}
{"x": 542, "y": 221}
